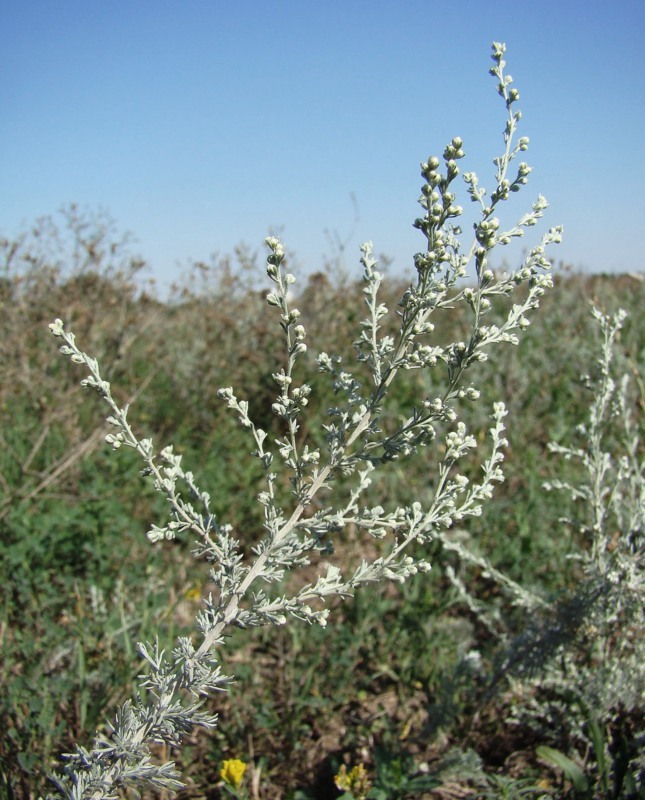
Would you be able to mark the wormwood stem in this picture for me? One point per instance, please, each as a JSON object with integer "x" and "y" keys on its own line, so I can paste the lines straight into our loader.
{"x": 258, "y": 565}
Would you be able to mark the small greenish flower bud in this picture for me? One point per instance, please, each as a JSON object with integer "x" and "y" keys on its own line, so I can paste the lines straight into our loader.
{"x": 424, "y": 261}
{"x": 156, "y": 534}
{"x": 281, "y": 379}
{"x": 115, "y": 440}
{"x": 485, "y": 233}
{"x": 324, "y": 362}
{"x": 523, "y": 143}
{"x": 56, "y": 327}
{"x": 452, "y": 151}
{"x": 498, "y": 50}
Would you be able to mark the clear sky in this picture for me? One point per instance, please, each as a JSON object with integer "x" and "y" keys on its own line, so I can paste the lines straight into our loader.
{"x": 201, "y": 124}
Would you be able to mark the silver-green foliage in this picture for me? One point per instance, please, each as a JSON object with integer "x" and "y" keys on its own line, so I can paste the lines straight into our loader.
{"x": 359, "y": 438}
{"x": 581, "y": 662}
{"x": 610, "y": 520}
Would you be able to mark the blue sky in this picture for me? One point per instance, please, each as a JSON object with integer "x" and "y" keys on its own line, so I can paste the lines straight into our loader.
{"x": 198, "y": 125}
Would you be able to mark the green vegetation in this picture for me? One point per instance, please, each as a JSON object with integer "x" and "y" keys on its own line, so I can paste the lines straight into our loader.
{"x": 402, "y": 678}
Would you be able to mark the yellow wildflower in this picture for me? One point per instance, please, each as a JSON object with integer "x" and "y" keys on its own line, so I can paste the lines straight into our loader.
{"x": 194, "y": 593}
{"x": 354, "y": 782}
{"x": 232, "y": 772}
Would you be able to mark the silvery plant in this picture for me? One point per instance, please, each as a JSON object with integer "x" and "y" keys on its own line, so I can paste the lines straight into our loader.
{"x": 578, "y": 667}
{"x": 359, "y": 435}
{"x": 591, "y": 652}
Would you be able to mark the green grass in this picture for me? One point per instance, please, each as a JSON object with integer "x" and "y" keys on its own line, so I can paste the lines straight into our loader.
{"x": 388, "y": 682}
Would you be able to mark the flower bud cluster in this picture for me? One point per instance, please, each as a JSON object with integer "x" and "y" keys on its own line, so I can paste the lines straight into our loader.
{"x": 290, "y": 405}
{"x": 458, "y": 442}
{"x": 485, "y": 232}
{"x": 423, "y": 355}
{"x": 439, "y": 204}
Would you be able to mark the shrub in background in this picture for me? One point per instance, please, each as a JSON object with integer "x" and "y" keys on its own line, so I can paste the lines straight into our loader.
{"x": 590, "y": 659}
{"x": 575, "y": 673}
